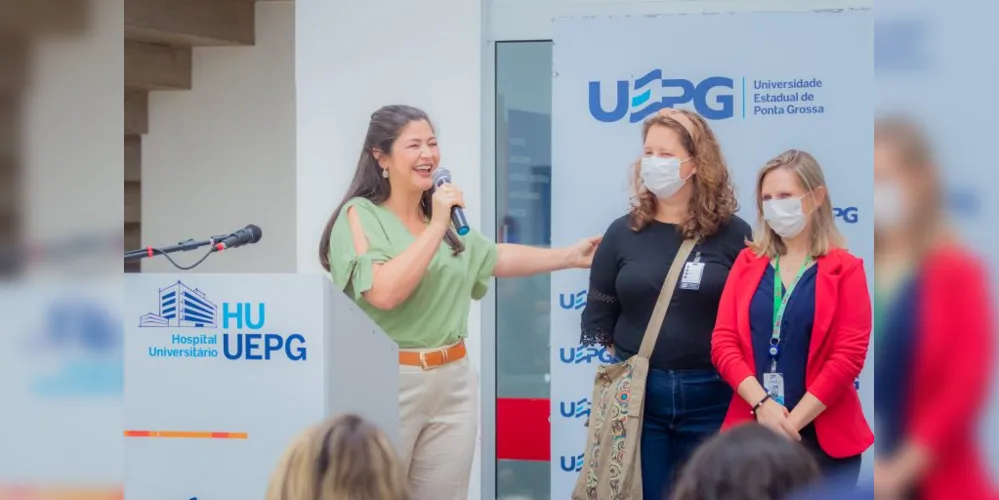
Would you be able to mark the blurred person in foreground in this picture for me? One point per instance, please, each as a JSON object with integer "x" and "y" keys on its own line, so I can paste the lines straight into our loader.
{"x": 794, "y": 322}
{"x": 933, "y": 332}
{"x": 343, "y": 458}
{"x": 835, "y": 490}
{"x": 749, "y": 462}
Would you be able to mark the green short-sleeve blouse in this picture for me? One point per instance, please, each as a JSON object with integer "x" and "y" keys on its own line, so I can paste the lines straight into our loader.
{"x": 436, "y": 313}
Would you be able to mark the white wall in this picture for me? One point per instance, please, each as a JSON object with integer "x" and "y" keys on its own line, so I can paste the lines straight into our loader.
{"x": 531, "y": 19}
{"x": 72, "y": 150}
{"x": 222, "y": 155}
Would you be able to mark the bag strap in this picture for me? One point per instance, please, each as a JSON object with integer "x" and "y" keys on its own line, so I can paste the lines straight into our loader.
{"x": 665, "y": 295}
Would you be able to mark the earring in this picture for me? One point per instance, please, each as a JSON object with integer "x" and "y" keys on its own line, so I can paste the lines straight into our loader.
{"x": 385, "y": 173}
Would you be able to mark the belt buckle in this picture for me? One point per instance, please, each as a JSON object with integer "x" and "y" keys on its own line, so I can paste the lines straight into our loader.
{"x": 423, "y": 359}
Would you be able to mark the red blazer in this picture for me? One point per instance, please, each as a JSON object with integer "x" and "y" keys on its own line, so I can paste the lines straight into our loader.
{"x": 952, "y": 371}
{"x": 838, "y": 348}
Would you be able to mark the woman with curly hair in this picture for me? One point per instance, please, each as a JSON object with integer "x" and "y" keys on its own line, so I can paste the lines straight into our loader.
{"x": 682, "y": 190}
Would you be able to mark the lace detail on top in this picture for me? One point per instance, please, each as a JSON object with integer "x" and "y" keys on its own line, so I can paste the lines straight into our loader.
{"x": 593, "y": 335}
{"x": 599, "y": 336}
{"x": 598, "y": 296}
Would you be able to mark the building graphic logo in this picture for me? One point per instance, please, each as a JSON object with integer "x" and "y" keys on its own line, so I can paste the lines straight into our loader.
{"x": 181, "y": 306}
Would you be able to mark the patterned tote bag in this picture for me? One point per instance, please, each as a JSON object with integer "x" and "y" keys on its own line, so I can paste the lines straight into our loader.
{"x": 612, "y": 461}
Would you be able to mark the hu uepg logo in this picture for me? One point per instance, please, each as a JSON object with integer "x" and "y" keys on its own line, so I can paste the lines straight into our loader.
{"x": 183, "y": 307}
{"x": 634, "y": 100}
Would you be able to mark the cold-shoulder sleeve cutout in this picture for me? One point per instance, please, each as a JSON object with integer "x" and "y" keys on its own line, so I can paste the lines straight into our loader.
{"x": 353, "y": 273}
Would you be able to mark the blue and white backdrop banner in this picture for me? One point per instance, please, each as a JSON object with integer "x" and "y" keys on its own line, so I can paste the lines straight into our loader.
{"x": 766, "y": 82}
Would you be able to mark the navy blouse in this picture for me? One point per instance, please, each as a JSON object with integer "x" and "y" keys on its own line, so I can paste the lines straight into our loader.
{"x": 795, "y": 331}
{"x": 894, "y": 356}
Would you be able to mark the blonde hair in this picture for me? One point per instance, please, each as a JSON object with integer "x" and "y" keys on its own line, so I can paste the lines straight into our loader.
{"x": 713, "y": 202}
{"x": 344, "y": 458}
{"x": 824, "y": 234}
{"x": 915, "y": 154}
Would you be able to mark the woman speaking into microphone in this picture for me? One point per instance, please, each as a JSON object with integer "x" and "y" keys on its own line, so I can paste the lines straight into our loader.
{"x": 390, "y": 247}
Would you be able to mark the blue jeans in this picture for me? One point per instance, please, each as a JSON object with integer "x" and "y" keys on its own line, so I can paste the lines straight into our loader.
{"x": 682, "y": 409}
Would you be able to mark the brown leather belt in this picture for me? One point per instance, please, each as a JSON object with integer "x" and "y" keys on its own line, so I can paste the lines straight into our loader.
{"x": 433, "y": 359}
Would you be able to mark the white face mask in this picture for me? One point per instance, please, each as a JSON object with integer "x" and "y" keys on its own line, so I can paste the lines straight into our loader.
{"x": 889, "y": 205}
{"x": 786, "y": 217}
{"x": 662, "y": 176}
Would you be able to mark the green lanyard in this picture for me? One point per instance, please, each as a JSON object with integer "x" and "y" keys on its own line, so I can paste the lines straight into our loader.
{"x": 780, "y": 303}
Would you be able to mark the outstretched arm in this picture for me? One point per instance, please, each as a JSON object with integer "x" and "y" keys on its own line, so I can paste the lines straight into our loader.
{"x": 521, "y": 260}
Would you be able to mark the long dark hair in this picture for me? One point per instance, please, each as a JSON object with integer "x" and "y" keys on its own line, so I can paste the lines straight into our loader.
{"x": 383, "y": 130}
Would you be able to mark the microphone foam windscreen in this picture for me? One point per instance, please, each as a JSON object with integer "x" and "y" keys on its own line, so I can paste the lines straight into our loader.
{"x": 441, "y": 175}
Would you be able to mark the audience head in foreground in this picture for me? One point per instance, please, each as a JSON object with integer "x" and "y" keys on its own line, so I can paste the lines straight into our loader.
{"x": 748, "y": 462}
{"x": 344, "y": 458}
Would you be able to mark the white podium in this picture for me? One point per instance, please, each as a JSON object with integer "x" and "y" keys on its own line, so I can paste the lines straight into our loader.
{"x": 223, "y": 371}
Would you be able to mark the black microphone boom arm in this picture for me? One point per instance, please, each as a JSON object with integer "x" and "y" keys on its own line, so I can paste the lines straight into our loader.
{"x": 183, "y": 246}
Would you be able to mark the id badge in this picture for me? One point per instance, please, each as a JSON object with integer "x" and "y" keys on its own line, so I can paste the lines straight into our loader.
{"x": 691, "y": 279}
{"x": 773, "y": 383}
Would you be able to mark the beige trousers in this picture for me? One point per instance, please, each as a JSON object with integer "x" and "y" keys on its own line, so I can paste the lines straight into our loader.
{"x": 438, "y": 413}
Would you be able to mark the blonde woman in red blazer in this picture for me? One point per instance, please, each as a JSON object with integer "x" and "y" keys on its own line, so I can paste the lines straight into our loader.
{"x": 794, "y": 321}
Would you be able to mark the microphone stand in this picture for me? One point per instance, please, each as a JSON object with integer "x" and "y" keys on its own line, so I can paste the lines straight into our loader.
{"x": 183, "y": 246}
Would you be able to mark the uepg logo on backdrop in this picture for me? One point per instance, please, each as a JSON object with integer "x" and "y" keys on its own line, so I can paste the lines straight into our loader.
{"x": 635, "y": 101}
{"x": 849, "y": 215}
{"x": 572, "y": 301}
{"x": 964, "y": 201}
{"x": 579, "y": 409}
{"x": 584, "y": 355}
{"x": 181, "y": 307}
{"x": 571, "y": 463}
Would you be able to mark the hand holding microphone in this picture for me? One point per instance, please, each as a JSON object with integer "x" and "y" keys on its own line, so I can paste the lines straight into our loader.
{"x": 444, "y": 198}
{"x": 449, "y": 202}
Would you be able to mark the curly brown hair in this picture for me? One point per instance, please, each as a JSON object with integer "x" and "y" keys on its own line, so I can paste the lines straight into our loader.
{"x": 713, "y": 202}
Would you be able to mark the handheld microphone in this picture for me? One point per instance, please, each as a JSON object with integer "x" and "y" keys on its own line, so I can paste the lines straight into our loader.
{"x": 443, "y": 176}
{"x": 247, "y": 235}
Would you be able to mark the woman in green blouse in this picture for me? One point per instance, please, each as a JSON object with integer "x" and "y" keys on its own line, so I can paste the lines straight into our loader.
{"x": 390, "y": 247}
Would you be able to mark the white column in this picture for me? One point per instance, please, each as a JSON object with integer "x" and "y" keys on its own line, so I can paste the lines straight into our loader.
{"x": 353, "y": 57}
